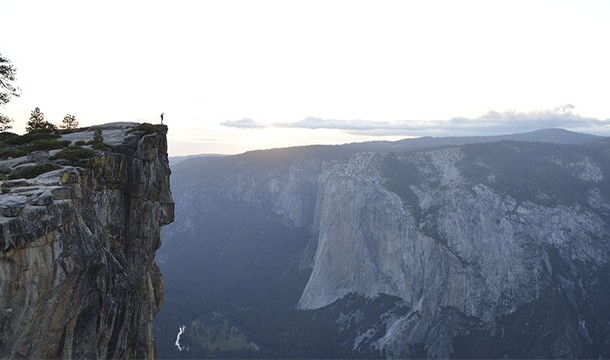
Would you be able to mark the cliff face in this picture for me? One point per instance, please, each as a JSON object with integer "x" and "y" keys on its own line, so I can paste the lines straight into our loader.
{"x": 482, "y": 249}
{"x": 77, "y": 248}
{"x": 441, "y": 231}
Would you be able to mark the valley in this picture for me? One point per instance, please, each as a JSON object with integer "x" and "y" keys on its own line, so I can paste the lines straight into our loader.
{"x": 431, "y": 247}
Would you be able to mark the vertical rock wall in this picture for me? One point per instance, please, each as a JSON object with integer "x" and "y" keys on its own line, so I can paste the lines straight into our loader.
{"x": 77, "y": 249}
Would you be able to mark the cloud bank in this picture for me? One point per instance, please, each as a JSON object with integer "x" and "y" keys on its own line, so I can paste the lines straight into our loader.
{"x": 243, "y": 124}
{"x": 488, "y": 124}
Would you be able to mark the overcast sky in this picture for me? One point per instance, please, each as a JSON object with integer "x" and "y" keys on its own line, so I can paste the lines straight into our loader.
{"x": 237, "y": 75}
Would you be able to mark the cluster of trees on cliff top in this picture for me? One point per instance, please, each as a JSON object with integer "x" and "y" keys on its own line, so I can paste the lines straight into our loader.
{"x": 38, "y": 123}
{"x": 9, "y": 90}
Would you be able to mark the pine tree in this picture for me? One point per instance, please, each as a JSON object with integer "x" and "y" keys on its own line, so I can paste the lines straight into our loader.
{"x": 38, "y": 123}
{"x": 98, "y": 139}
{"x": 7, "y": 76}
{"x": 5, "y": 122}
{"x": 69, "y": 122}
{"x": 7, "y": 89}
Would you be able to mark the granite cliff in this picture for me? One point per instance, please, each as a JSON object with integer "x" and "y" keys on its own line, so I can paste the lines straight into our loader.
{"x": 79, "y": 228}
{"x": 450, "y": 239}
{"x": 484, "y": 247}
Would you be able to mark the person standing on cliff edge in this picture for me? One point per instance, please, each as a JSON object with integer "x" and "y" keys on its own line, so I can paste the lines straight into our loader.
{"x": 162, "y": 118}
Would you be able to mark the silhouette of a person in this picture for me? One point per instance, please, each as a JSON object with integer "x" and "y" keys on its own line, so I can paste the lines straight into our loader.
{"x": 162, "y": 118}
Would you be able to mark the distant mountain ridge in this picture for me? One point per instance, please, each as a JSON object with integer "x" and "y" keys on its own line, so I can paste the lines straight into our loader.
{"x": 551, "y": 135}
{"x": 173, "y": 160}
{"x": 430, "y": 247}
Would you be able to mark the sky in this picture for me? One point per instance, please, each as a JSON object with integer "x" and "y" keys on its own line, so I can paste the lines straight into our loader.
{"x": 232, "y": 76}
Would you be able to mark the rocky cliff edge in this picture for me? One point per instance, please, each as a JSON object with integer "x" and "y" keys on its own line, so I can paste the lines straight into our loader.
{"x": 79, "y": 228}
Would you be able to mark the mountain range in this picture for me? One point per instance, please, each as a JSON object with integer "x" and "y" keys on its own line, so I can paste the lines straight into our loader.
{"x": 461, "y": 247}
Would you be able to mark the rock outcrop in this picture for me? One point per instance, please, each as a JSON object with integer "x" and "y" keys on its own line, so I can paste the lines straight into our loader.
{"x": 77, "y": 246}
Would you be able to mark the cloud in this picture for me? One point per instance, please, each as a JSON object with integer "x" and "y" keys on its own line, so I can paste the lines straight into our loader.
{"x": 318, "y": 123}
{"x": 490, "y": 123}
{"x": 561, "y": 117}
{"x": 243, "y": 124}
